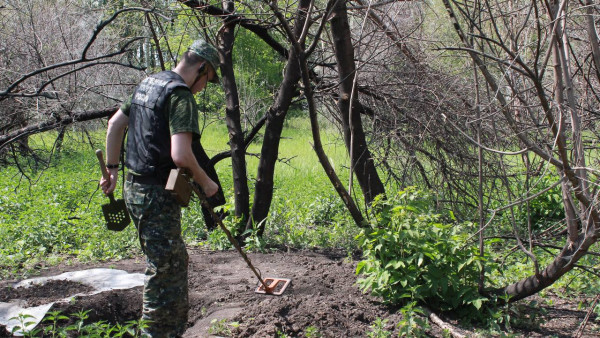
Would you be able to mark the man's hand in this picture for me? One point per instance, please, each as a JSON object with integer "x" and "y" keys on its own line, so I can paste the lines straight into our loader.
{"x": 114, "y": 135}
{"x": 209, "y": 187}
{"x": 108, "y": 186}
{"x": 183, "y": 157}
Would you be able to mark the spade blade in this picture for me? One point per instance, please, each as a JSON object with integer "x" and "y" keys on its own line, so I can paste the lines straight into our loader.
{"x": 115, "y": 214}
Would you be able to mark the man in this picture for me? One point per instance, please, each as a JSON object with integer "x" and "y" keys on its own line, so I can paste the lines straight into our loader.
{"x": 162, "y": 119}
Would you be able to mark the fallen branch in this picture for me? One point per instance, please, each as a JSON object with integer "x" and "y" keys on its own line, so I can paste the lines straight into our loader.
{"x": 454, "y": 331}
{"x": 54, "y": 123}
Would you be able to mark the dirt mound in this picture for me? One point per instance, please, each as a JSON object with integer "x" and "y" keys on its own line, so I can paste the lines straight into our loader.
{"x": 43, "y": 294}
{"x": 322, "y": 298}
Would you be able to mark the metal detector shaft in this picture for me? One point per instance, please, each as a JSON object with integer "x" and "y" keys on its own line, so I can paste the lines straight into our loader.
{"x": 232, "y": 239}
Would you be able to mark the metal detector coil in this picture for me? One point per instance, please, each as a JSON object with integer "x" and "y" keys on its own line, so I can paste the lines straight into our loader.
{"x": 276, "y": 286}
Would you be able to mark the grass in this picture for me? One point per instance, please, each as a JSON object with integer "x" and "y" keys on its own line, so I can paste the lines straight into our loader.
{"x": 52, "y": 213}
{"x": 306, "y": 211}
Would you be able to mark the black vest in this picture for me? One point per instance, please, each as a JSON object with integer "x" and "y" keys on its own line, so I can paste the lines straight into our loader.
{"x": 149, "y": 139}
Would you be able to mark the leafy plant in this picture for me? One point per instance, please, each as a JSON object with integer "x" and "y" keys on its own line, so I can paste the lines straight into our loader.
{"x": 410, "y": 254}
{"x": 254, "y": 242}
{"x": 545, "y": 209}
{"x": 80, "y": 317}
{"x": 377, "y": 329}
{"x": 132, "y": 328}
{"x": 24, "y": 320}
{"x": 221, "y": 327}
{"x": 53, "y": 317}
{"x": 312, "y": 332}
{"x": 515, "y": 315}
{"x": 413, "y": 323}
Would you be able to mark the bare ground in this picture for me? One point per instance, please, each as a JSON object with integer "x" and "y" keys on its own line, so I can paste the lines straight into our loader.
{"x": 323, "y": 298}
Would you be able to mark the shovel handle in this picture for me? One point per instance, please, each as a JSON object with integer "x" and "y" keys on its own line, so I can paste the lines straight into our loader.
{"x": 100, "y": 157}
{"x": 104, "y": 173}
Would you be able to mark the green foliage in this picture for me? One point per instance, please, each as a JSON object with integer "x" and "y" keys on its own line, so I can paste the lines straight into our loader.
{"x": 24, "y": 320}
{"x": 546, "y": 210}
{"x": 254, "y": 242}
{"x": 377, "y": 329}
{"x": 410, "y": 254}
{"x": 130, "y": 328}
{"x": 56, "y": 214}
{"x": 53, "y": 330}
{"x": 312, "y": 332}
{"x": 413, "y": 323}
{"x": 514, "y": 315}
{"x": 256, "y": 64}
{"x": 222, "y": 327}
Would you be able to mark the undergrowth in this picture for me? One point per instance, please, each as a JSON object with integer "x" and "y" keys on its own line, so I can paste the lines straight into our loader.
{"x": 411, "y": 253}
{"x": 50, "y": 210}
{"x": 54, "y": 325}
{"x": 51, "y": 213}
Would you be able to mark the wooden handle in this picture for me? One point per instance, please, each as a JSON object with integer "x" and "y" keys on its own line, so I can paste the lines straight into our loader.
{"x": 102, "y": 165}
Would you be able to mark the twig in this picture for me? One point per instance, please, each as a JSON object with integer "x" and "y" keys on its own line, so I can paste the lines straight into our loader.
{"x": 579, "y": 332}
{"x": 454, "y": 331}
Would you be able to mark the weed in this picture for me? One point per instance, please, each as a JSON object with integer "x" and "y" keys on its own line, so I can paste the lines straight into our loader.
{"x": 25, "y": 321}
{"x": 312, "y": 332}
{"x": 79, "y": 317}
{"x": 221, "y": 327}
{"x": 413, "y": 323}
{"x": 53, "y": 317}
{"x": 377, "y": 329}
{"x": 101, "y": 328}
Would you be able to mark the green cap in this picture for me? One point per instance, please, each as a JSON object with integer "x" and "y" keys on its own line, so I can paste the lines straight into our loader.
{"x": 209, "y": 53}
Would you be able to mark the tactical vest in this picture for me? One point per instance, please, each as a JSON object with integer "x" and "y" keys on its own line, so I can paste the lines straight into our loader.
{"x": 149, "y": 139}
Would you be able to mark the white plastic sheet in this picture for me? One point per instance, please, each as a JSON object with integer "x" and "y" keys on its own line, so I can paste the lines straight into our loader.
{"x": 99, "y": 279}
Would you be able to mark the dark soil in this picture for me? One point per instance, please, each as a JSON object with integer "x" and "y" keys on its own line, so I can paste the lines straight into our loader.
{"x": 44, "y": 294}
{"x": 323, "y": 297}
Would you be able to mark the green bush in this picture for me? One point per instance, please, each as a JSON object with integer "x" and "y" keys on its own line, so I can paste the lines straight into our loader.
{"x": 410, "y": 254}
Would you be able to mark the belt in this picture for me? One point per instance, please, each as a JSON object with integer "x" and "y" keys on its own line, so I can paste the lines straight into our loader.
{"x": 147, "y": 179}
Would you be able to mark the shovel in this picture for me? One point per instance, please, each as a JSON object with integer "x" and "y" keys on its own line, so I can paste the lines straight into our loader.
{"x": 115, "y": 213}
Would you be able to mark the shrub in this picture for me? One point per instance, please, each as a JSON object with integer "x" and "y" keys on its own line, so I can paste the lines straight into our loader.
{"x": 409, "y": 254}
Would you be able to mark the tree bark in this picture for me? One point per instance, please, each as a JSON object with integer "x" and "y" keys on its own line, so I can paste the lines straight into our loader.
{"x": 54, "y": 123}
{"x": 263, "y": 188}
{"x": 562, "y": 264}
{"x": 354, "y": 135}
{"x": 318, "y": 146}
{"x": 232, "y": 118}
{"x": 593, "y": 35}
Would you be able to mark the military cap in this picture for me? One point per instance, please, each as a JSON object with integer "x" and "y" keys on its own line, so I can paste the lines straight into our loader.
{"x": 209, "y": 53}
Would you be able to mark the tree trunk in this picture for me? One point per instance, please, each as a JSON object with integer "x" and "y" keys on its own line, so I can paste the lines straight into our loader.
{"x": 354, "y": 135}
{"x": 232, "y": 119}
{"x": 263, "y": 189}
{"x": 562, "y": 264}
{"x": 593, "y": 35}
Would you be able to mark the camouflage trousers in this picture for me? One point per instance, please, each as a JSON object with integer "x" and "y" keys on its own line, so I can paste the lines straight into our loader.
{"x": 157, "y": 217}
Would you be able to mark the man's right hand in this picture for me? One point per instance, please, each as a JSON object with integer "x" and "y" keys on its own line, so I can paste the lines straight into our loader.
{"x": 209, "y": 187}
{"x": 108, "y": 186}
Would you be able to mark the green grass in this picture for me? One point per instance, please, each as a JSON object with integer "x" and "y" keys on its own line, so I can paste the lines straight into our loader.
{"x": 54, "y": 212}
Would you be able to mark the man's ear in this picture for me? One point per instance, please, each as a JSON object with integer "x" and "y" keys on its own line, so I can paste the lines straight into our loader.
{"x": 202, "y": 68}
